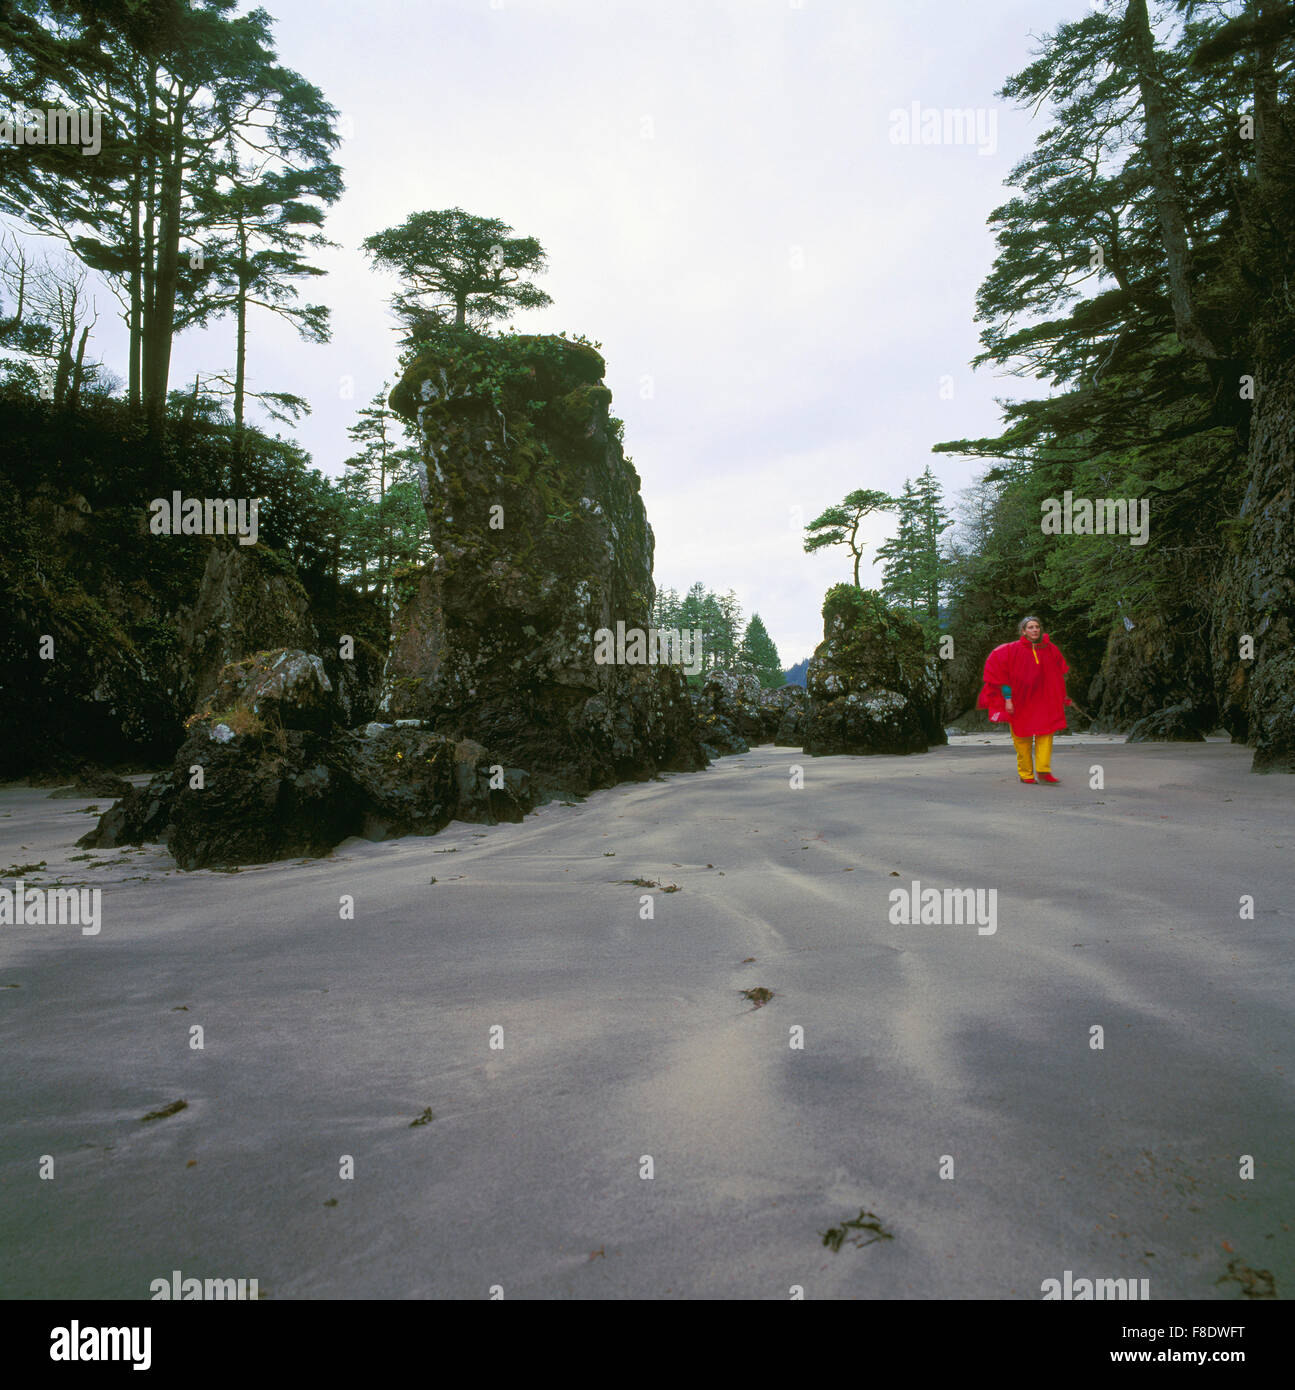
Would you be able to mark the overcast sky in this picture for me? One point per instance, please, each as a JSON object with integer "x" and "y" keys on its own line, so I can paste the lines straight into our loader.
{"x": 778, "y": 286}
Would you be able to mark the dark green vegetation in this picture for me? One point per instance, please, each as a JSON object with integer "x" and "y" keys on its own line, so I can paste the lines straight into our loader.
{"x": 210, "y": 148}
{"x": 873, "y": 685}
{"x": 913, "y": 576}
{"x": 457, "y": 270}
{"x": 1144, "y": 271}
{"x": 914, "y": 573}
{"x": 140, "y": 624}
{"x": 867, "y": 1224}
{"x": 109, "y": 634}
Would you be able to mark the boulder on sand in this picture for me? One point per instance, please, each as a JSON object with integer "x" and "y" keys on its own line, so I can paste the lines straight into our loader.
{"x": 783, "y": 712}
{"x": 728, "y": 712}
{"x": 1180, "y": 723}
{"x": 285, "y": 687}
{"x": 266, "y": 788}
{"x": 872, "y": 686}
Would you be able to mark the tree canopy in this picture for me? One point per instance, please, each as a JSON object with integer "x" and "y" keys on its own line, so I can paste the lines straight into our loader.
{"x": 839, "y": 525}
{"x": 458, "y": 270}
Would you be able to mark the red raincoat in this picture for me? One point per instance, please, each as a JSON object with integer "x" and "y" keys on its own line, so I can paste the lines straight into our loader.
{"x": 1036, "y": 674}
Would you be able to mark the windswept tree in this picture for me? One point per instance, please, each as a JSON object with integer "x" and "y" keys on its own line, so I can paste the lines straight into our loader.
{"x": 458, "y": 270}
{"x": 839, "y": 525}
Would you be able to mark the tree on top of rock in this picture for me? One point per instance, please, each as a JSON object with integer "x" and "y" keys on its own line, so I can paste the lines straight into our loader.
{"x": 839, "y": 525}
{"x": 458, "y": 269}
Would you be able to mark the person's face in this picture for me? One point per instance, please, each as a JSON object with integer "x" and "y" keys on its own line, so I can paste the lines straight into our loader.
{"x": 1033, "y": 630}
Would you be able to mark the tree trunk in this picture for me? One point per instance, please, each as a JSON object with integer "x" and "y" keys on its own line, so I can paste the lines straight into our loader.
{"x": 240, "y": 363}
{"x": 148, "y": 260}
{"x": 160, "y": 330}
{"x": 78, "y": 371}
{"x": 1267, "y": 114}
{"x": 63, "y": 373}
{"x": 135, "y": 244}
{"x": 1165, "y": 184}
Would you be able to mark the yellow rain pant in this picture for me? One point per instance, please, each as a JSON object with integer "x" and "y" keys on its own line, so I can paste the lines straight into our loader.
{"x": 1042, "y": 754}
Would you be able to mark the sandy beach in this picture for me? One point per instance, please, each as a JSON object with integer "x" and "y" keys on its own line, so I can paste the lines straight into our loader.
{"x": 625, "y": 1036}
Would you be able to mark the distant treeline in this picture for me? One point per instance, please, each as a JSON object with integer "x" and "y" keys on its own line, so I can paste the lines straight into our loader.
{"x": 726, "y": 642}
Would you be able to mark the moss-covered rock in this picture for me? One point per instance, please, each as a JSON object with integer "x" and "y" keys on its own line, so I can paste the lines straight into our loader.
{"x": 269, "y": 792}
{"x": 541, "y": 539}
{"x": 1161, "y": 663}
{"x": 729, "y": 711}
{"x": 872, "y": 686}
{"x": 783, "y": 710}
{"x": 286, "y": 689}
{"x": 1254, "y": 681}
{"x": 1181, "y": 723}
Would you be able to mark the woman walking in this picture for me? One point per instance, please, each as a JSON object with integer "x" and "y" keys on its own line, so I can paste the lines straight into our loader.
{"x": 1025, "y": 686}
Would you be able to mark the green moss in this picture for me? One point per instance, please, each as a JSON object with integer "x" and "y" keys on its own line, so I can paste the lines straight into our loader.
{"x": 859, "y": 607}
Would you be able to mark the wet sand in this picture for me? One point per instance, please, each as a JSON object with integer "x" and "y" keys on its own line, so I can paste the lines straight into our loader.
{"x": 625, "y": 1037}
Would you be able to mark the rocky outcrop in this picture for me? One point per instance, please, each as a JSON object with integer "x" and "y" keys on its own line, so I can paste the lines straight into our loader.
{"x": 872, "y": 686}
{"x": 264, "y": 795}
{"x": 79, "y": 678}
{"x": 728, "y": 710}
{"x": 250, "y": 600}
{"x": 278, "y": 780}
{"x": 109, "y": 633}
{"x": 783, "y": 710}
{"x": 247, "y": 600}
{"x": 541, "y": 542}
{"x": 736, "y": 712}
{"x": 94, "y": 781}
{"x": 1179, "y": 723}
{"x": 410, "y": 781}
{"x": 287, "y": 688}
{"x": 1157, "y": 665}
{"x": 1256, "y": 597}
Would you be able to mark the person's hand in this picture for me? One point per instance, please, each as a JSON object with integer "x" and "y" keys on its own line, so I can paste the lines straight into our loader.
{"x": 1009, "y": 707}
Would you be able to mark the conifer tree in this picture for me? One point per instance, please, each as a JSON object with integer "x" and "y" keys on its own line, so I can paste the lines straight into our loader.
{"x": 839, "y": 525}
{"x": 457, "y": 270}
{"x": 387, "y": 522}
{"x": 758, "y": 654}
